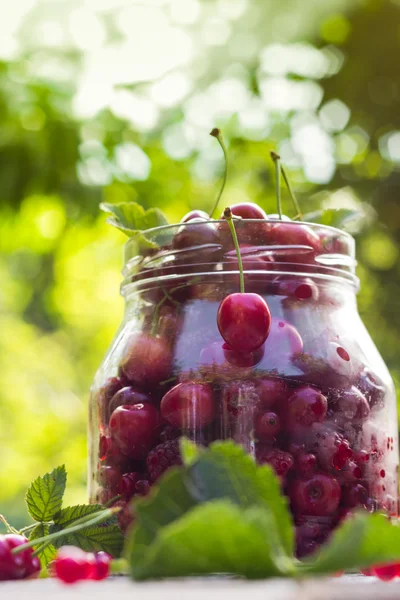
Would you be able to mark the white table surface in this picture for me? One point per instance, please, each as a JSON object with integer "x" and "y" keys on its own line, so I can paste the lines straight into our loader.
{"x": 121, "y": 588}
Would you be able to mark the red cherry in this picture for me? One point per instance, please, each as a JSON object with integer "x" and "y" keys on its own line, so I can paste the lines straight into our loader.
{"x": 195, "y": 214}
{"x": 306, "y": 464}
{"x": 188, "y": 405}
{"x": 350, "y": 405}
{"x": 267, "y": 426}
{"x": 134, "y": 428}
{"x": 244, "y": 321}
{"x": 147, "y": 360}
{"x": 196, "y": 232}
{"x": 109, "y": 476}
{"x": 127, "y": 485}
{"x": 283, "y": 233}
{"x": 318, "y": 496}
{"x": 127, "y": 395}
{"x": 240, "y": 359}
{"x": 297, "y": 289}
{"x": 386, "y": 572}
{"x": 247, "y": 210}
{"x": 271, "y": 391}
{"x": 283, "y": 339}
{"x": 104, "y": 395}
{"x": 354, "y": 495}
{"x": 71, "y": 564}
{"x": 99, "y": 566}
{"x": 304, "y": 407}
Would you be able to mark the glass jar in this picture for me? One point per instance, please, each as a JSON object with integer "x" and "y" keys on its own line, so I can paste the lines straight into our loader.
{"x": 316, "y": 401}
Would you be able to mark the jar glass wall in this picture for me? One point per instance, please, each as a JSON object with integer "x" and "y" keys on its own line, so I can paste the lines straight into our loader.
{"x": 316, "y": 401}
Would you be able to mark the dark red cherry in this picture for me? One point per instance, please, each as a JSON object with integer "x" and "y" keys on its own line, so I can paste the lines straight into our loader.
{"x": 271, "y": 391}
{"x": 195, "y": 232}
{"x": 104, "y": 395}
{"x": 267, "y": 426}
{"x": 188, "y": 405}
{"x": 127, "y": 485}
{"x": 240, "y": 359}
{"x": 305, "y": 406}
{"x": 135, "y": 428}
{"x": 350, "y": 405}
{"x": 127, "y": 395}
{"x": 109, "y": 477}
{"x": 317, "y": 496}
{"x": 297, "y": 289}
{"x": 244, "y": 321}
{"x": 306, "y": 464}
{"x": 71, "y": 564}
{"x": 354, "y": 495}
{"x": 147, "y": 360}
{"x": 247, "y": 210}
{"x": 294, "y": 234}
{"x": 195, "y": 214}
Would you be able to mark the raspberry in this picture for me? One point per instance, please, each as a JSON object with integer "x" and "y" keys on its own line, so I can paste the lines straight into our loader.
{"x": 124, "y": 517}
{"x": 280, "y": 461}
{"x": 162, "y": 457}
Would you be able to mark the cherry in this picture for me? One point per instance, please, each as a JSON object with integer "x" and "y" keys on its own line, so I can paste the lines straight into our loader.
{"x": 372, "y": 387}
{"x": 147, "y": 360}
{"x": 127, "y": 395}
{"x": 351, "y": 405}
{"x": 317, "y": 496}
{"x": 241, "y": 359}
{"x": 188, "y": 405}
{"x": 252, "y": 260}
{"x": 237, "y": 410}
{"x": 247, "y": 210}
{"x": 195, "y": 214}
{"x": 306, "y": 464}
{"x": 134, "y": 428}
{"x": 305, "y": 406}
{"x": 267, "y": 426}
{"x": 109, "y": 476}
{"x": 386, "y": 572}
{"x": 280, "y": 461}
{"x": 271, "y": 391}
{"x": 16, "y": 566}
{"x": 196, "y": 232}
{"x": 244, "y": 321}
{"x": 354, "y": 495}
{"x": 99, "y": 566}
{"x": 247, "y": 232}
{"x": 71, "y": 564}
{"x": 294, "y": 234}
{"x": 297, "y": 290}
{"x": 283, "y": 339}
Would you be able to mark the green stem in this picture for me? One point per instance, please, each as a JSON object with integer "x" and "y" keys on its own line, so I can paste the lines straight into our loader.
{"x": 228, "y": 217}
{"x": 111, "y": 502}
{"x": 99, "y": 517}
{"x": 276, "y": 158}
{"x": 27, "y": 528}
{"x": 217, "y": 134}
{"x": 292, "y": 194}
{"x": 119, "y": 566}
{"x": 7, "y": 525}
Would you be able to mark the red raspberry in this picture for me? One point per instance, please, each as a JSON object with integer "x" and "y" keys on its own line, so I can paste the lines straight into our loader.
{"x": 162, "y": 457}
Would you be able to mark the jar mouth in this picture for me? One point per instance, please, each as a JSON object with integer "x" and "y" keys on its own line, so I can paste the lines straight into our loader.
{"x": 268, "y": 246}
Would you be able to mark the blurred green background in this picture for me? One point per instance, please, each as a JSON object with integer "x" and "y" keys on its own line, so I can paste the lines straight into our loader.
{"x": 114, "y": 99}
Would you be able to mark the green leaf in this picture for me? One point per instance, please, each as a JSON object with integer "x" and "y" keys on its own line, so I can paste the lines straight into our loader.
{"x": 45, "y": 494}
{"x": 335, "y": 217}
{"x": 362, "y": 541}
{"x": 168, "y": 501}
{"x": 226, "y": 471}
{"x": 131, "y": 217}
{"x": 106, "y": 537}
{"x": 67, "y": 516}
{"x": 48, "y": 553}
{"x": 93, "y": 539}
{"x": 190, "y": 451}
{"x": 217, "y": 537}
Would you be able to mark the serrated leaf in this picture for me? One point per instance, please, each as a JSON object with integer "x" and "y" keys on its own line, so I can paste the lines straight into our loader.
{"x": 217, "y": 537}
{"x": 226, "y": 471}
{"x": 48, "y": 553}
{"x": 362, "y": 541}
{"x": 67, "y": 516}
{"x": 93, "y": 539}
{"x": 131, "y": 217}
{"x": 45, "y": 494}
{"x": 335, "y": 217}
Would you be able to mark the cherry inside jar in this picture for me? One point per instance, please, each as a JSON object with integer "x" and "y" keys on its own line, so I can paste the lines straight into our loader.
{"x": 315, "y": 400}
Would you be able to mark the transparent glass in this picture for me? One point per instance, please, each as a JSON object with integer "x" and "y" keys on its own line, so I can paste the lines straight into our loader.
{"x": 316, "y": 401}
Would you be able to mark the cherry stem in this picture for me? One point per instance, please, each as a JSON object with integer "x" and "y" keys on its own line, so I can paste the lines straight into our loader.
{"x": 119, "y": 566}
{"x": 9, "y": 527}
{"x": 277, "y": 160}
{"x": 278, "y": 170}
{"x": 228, "y": 217}
{"x": 218, "y": 134}
{"x": 84, "y": 522}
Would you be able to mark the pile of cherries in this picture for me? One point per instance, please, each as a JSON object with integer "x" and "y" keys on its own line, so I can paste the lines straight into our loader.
{"x": 272, "y": 366}
{"x": 23, "y": 565}
{"x": 73, "y": 564}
